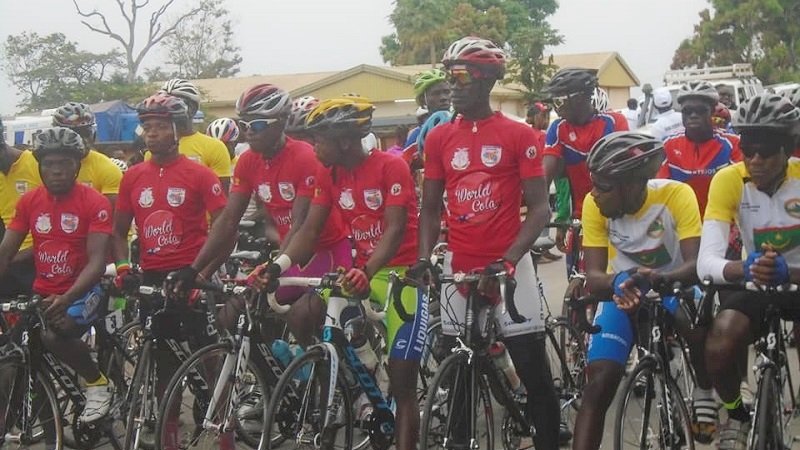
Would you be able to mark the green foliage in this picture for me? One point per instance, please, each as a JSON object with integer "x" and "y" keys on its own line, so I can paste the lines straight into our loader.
{"x": 765, "y": 33}
{"x": 48, "y": 71}
{"x": 424, "y": 29}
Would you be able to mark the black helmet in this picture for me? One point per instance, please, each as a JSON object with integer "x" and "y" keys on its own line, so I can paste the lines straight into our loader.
{"x": 572, "y": 81}
{"x": 58, "y": 140}
{"x": 626, "y": 154}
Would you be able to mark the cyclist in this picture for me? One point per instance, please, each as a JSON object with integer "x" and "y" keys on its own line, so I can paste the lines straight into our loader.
{"x": 432, "y": 94}
{"x": 225, "y": 130}
{"x": 281, "y": 172}
{"x": 196, "y": 146}
{"x": 760, "y": 195}
{"x": 97, "y": 170}
{"x": 631, "y": 223}
{"x": 374, "y": 193}
{"x": 296, "y": 124}
{"x": 602, "y": 105}
{"x": 668, "y": 121}
{"x": 70, "y": 224}
{"x": 694, "y": 155}
{"x": 573, "y": 134}
{"x": 721, "y": 118}
{"x": 19, "y": 173}
{"x": 489, "y": 164}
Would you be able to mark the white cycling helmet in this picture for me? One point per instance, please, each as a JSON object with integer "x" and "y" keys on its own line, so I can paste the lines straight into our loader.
{"x": 224, "y": 129}
{"x": 182, "y": 89}
{"x": 700, "y": 89}
{"x": 600, "y": 100}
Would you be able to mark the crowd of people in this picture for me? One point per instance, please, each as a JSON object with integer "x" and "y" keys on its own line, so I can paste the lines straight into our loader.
{"x": 678, "y": 204}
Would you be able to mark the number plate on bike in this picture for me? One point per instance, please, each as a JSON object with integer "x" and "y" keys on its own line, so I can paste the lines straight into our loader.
{"x": 114, "y": 321}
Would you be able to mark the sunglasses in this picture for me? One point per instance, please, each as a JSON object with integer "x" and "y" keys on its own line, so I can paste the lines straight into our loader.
{"x": 765, "y": 151}
{"x": 562, "y": 100}
{"x": 699, "y": 110}
{"x": 257, "y": 125}
{"x": 601, "y": 187}
{"x": 460, "y": 77}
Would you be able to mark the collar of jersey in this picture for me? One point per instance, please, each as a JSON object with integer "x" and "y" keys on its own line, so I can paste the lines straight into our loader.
{"x": 467, "y": 123}
{"x": 169, "y": 164}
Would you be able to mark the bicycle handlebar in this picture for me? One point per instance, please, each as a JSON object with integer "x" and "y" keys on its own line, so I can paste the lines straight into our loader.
{"x": 328, "y": 280}
{"x": 508, "y": 286}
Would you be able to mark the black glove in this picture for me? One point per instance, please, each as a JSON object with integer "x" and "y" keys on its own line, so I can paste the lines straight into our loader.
{"x": 421, "y": 271}
{"x": 181, "y": 280}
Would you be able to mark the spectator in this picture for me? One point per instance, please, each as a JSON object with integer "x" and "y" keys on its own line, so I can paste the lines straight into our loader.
{"x": 668, "y": 121}
{"x": 631, "y": 114}
{"x": 400, "y": 134}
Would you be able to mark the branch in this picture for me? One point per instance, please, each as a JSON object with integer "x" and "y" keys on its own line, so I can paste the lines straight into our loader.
{"x": 107, "y": 31}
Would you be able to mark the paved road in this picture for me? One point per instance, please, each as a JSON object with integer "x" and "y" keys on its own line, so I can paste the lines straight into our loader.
{"x": 553, "y": 277}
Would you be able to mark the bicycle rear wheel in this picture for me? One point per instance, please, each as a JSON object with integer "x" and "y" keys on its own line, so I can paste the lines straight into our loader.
{"x": 456, "y": 393}
{"x": 299, "y": 406}
{"x": 142, "y": 403}
{"x": 431, "y": 358}
{"x": 656, "y": 419}
{"x": 44, "y": 422}
{"x": 567, "y": 357}
{"x": 185, "y": 419}
{"x": 768, "y": 427}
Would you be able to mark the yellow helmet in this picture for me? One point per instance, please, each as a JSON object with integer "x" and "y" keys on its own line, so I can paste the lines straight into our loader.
{"x": 341, "y": 115}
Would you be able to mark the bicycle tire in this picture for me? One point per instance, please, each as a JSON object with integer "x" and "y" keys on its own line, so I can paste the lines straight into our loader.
{"x": 455, "y": 370}
{"x": 140, "y": 388}
{"x": 308, "y": 375}
{"x": 661, "y": 396}
{"x": 10, "y": 373}
{"x": 430, "y": 358}
{"x": 567, "y": 357}
{"x": 576, "y": 288}
{"x": 767, "y": 433}
{"x": 180, "y": 385}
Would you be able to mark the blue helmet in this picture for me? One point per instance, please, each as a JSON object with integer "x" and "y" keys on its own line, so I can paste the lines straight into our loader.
{"x": 435, "y": 119}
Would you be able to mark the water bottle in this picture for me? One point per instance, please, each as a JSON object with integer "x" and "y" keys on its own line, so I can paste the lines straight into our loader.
{"x": 370, "y": 361}
{"x": 297, "y": 351}
{"x": 502, "y": 360}
{"x": 282, "y": 352}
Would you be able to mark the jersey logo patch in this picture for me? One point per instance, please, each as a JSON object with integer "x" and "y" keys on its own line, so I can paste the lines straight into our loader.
{"x": 373, "y": 198}
{"x": 531, "y": 152}
{"x": 69, "y": 222}
{"x": 396, "y": 189}
{"x": 216, "y": 189}
{"x": 21, "y": 187}
{"x": 43, "y": 223}
{"x": 102, "y": 216}
{"x": 460, "y": 159}
{"x": 310, "y": 181}
{"x": 287, "y": 191}
{"x": 264, "y": 192}
{"x": 176, "y": 196}
{"x": 792, "y": 207}
{"x": 656, "y": 228}
{"x": 490, "y": 155}
{"x": 572, "y": 136}
{"x": 346, "y": 199}
{"x": 146, "y": 197}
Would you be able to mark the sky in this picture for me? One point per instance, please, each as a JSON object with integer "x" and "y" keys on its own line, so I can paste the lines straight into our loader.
{"x": 295, "y": 36}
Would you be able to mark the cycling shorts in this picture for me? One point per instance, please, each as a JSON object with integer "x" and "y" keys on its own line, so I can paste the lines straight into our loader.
{"x": 325, "y": 260}
{"x": 453, "y": 305}
{"x": 87, "y": 309}
{"x": 616, "y": 336}
{"x": 404, "y": 340}
{"x": 754, "y": 306}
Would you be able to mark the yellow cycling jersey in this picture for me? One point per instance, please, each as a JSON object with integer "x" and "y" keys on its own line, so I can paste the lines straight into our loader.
{"x": 650, "y": 237}
{"x": 205, "y": 150}
{"x": 762, "y": 219}
{"x": 23, "y": 176}
{"x": 98, "y": 172}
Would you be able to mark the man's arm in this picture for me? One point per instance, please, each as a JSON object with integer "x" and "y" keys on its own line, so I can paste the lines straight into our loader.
{"x": 598, "y": 282}
{"x": 119, "y": 235}
{"x": 686, "y": 272}
{"x": 9, "y": 247}
{"x": 227, "y": 247}
{"x": 301, "y": 248}
{"x": 224, "y": 225}
{"x": 300, "y": 209}
{"x": 534, "y": 194}
{"x": 430, "y": 216}
{"x": 711, "y": 262}
{"x": 553, "y": 167}
{"x": 96, "y": 246}
{"x": 394, "y": 220}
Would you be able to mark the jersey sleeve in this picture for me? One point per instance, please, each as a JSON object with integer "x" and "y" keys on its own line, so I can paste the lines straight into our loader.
{"x": 724, "y": 195}
{"x": 323, "y": 190}
{"x": 551, "y": 144}
{"x": 107, "y": 175}
{"x": 123, "y": 202}
{"x": 243, "y": 175}
{"x": 21, "y": 220}
{"x": 397, "y": 182}
{"x": 100, "y": 213}
{"x": 530, "y": 159}
{"x": 217, "y": 159}
{"x": 684, "y": 208}
{"x": 434, "y": 169}
{"x": 213, "y": 194}
{"x": 595, "y": 226}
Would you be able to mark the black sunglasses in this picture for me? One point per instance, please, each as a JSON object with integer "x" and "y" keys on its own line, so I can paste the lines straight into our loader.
{"x": 765, "y": 151}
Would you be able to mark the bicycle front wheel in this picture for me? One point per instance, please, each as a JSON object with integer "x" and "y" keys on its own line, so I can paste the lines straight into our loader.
{"x": 455, "y": 395}
{"x": 652, "y": 413}
{"x": 208, "y": 406}
{"x": 142, "y": 404}
{"x": 566, "y": 353}
{"x": 299, "y": 412}
{"x": 767, "y": 429}
{"x": 18, "y": 429}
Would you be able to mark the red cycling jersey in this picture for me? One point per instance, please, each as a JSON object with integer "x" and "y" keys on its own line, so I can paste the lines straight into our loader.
{"x": 169, "y": 204}
{"x": 696, "y": 163}
{"x": 572, "y": 144}
{"x": 60, "y": 227}
{"x": 279, "y": 181}
{"x": 363, "y": 193}
{"x": 482, "y": 164}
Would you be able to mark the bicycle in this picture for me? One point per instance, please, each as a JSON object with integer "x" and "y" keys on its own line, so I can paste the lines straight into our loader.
{"x": 311, "y": 404}
{"x": 465, "y": 379}
{"x": 652, "y": 412}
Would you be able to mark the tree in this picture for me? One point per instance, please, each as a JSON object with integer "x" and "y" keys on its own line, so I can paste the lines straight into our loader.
{"x": 202, "y": 46}
{"x": 48, "y": 71}
{"x": 424, "y": 28}
{"x": 764, "y": 33}
{"x": 159, "y": 27}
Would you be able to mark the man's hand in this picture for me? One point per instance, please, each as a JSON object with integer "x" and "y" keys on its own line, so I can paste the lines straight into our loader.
{"x": 561, "y": 240}
{"x": 183, "y": 279}
{"x": 264, "y": 277}
{"x": 56, "y": 311}
{"x": 356, "y": 283}
{"x": 421, "y": 271}
{"x": 127, "y": 280}
{"x": 627, "y": 291}
{"x": 489, "y": 286}
{"x": 655, "y": 278}
{"x": 768, "y": 269}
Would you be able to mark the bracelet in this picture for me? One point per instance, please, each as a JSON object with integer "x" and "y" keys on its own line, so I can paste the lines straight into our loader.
{"x": 119, "y": 265}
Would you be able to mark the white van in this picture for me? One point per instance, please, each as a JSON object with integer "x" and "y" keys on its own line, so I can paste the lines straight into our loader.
{"x": 739, "y": 78}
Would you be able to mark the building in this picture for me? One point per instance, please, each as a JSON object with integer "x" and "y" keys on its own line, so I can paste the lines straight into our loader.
{"x": 391, "y": 88}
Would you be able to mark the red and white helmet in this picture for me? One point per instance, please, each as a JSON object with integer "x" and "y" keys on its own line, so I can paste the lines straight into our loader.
{"x": 300, "y": 109}
{"x": 264, "y": 100}
{"x": 475, "y": 51}
{"x": 224, "y": 129}
{"x": 182, "y": 89}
